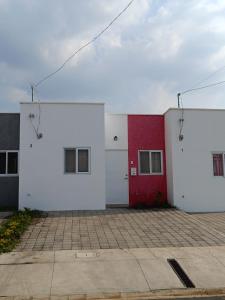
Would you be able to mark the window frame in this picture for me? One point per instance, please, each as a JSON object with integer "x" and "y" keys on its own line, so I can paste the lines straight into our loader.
{"x": 76, "y": 160}
{"x": 6, "y": 174}
{"x": 223, "y": 154}
{"x": 150, "y": 162}
{"x": 89, "y": 160}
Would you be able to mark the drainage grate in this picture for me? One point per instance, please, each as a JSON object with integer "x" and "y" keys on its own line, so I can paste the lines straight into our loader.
{"x": 180, "y": 273}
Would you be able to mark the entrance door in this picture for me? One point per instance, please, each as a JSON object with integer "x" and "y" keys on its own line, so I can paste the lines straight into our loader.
{"x": 117, "y": 177}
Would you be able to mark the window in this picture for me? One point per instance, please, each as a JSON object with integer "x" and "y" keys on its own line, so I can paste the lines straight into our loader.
{"x": 150, "y": 162}
{"x": 77, "y": 160}
{"x": 2, "y": 162}
{"x": 70, "y": 160}
{"x": 156, "y": 162}
{"x": 218, "y": 164}
{"x": 8, "y": 162}
{"x": 144, "y": 162}
{"x": 83, "y": 160}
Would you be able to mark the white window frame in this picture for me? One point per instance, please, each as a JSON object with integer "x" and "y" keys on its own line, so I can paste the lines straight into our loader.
{"x": 89, "y": 160}
{"x": 76, "y": 162}
{"x": 218, "y": 152}
{"x": 6, "y": 161}
{"x": 150, "y": 162}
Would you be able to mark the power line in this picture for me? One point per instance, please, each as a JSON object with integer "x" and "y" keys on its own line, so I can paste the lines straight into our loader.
{"x": 85, "y": 45}
{"x": 202, "y": 87}
{"x": 209, "y": 76}
{"x": 195, "y": 88}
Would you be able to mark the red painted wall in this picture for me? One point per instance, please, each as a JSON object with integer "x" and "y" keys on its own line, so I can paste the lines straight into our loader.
{"x": 146, "y": 132}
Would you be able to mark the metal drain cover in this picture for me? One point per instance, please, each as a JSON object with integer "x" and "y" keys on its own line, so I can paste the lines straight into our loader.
{"x": 86, "y": 254}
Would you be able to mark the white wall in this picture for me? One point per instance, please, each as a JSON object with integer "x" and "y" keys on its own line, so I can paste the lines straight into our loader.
{"x": 43, "y": 184}
{"x": 117, "y": 177}
{"x": 191, "y": 184}
{"x": 169, "y": 158}
{"x": 116, "y": 125}
{"x": 116, "y": 159}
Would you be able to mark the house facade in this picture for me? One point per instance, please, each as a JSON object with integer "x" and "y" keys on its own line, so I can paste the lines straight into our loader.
{"x": 63, "y": 168}
{"x": 74, "y": 156}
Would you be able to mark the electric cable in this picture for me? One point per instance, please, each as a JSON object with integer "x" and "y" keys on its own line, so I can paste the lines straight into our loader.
{"x": 84, "y": 46}
{"x": 209, "y": 76}
{"x": 202, "y": 87}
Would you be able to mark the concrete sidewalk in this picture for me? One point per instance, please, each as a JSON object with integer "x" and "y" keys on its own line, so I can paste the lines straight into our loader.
{"x": 78, "y": 273}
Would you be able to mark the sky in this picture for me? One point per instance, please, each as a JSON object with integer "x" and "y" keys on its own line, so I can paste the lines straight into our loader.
{"x": 155, "y": 50}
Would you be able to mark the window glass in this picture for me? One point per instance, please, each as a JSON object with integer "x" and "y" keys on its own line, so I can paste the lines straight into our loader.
{"x": 12, "y": 162}
{"x": 144, "y": 162}
{"x": 2, "y": 162}
{"x": 83, "y": 160}
{"x": 70, "y": 160}
{"x": 218, "y": 168}
{"x": 156, "y": 162}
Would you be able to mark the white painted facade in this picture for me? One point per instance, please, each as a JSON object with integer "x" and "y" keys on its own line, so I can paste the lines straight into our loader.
{"x": 116, "y": 143}
{"x": 43, "y": 183}
{"x": 191, "y": 183}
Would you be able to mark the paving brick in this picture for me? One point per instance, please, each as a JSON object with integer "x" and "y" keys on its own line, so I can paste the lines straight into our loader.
{"x": 123, "y": 228}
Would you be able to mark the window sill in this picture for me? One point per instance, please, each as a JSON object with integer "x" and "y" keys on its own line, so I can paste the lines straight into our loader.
{"x": 81, "y": 173}
{"x": 151, "y": 174}
{"x": 9, "y": 175}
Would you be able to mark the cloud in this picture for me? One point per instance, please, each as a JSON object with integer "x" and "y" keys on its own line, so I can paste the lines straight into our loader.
{"x": 18, "y": 95}
{"x": 154, "y": 50}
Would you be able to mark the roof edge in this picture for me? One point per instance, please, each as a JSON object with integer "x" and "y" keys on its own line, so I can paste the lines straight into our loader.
{"x": 66, "y": 103}
{"x": 193, "y": 109}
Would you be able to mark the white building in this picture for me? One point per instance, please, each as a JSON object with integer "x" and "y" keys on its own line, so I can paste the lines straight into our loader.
{"x": 73, "y": 156}
{"x": 195, "y": 164}
{"x": 65, "y": 168}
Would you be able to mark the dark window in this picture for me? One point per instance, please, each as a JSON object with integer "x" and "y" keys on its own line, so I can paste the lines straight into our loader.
{"x": 144, "y": 162}
{"x": 70, "y": 160}
{"x": 2, "y": 162}
{"x": 156, "y": 162}
{"x": 218, "y": 167}
{"x": 12, "y": 162}
{"x": 83, "y": 160}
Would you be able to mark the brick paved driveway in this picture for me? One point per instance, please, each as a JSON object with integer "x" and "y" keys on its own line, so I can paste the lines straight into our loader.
{"x": 120, "y": 228}
{"x": 214, "y": 220}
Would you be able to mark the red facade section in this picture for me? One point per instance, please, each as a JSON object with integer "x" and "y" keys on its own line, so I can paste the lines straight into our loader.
{"x": 146, "y": 132}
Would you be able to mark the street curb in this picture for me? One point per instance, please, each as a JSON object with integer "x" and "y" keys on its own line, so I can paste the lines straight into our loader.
{"x": 157, "y": 294}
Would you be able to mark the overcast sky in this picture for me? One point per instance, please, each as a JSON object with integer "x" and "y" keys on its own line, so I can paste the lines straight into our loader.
{"x": 156, "y": 49}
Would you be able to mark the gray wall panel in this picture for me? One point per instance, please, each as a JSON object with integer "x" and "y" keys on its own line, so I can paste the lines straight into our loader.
{"x": 9, "y": 188}
{"x": 9, "y": 140}
{"x": 9, "y": 131}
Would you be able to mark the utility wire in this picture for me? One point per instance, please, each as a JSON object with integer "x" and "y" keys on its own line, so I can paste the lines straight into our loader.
{"x": 85, "y": 45}
{"x": 202, "y": 87}
{"x": 209, "y": 76}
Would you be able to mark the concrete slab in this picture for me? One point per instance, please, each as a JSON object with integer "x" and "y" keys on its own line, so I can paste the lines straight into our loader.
{"x": 204, "y": 272}
{"x": 97, "y": 276}
{"x": 26, "y": 257}
{"x": 107, "y": 271}
{"x": 159, "y": 274}
{"x": 142, "y": 253}
{"x": 92, "y": 255}
{"x": 26, "y": 280}
{"x": 182, "y": 252}
{"x": 218, "y": 251}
